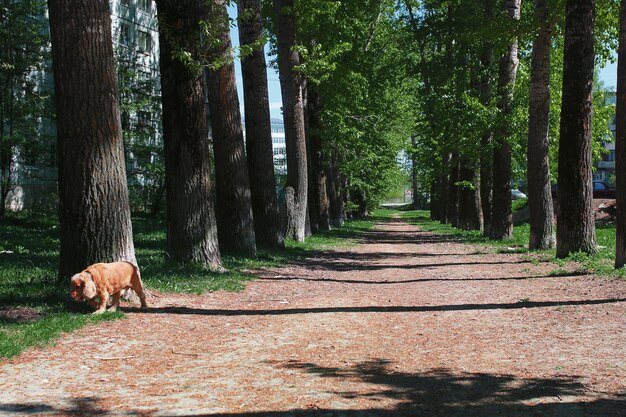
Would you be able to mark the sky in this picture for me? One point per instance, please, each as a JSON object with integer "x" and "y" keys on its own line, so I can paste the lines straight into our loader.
{"x": 273, "y": 84}
{"x": 608, "y": 75}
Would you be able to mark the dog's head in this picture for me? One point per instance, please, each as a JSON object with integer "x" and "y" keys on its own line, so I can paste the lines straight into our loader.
{"x": 82, "y": 287}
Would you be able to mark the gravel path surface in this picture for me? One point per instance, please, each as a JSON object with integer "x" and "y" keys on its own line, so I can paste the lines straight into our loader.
{"x": 406, "y": 323}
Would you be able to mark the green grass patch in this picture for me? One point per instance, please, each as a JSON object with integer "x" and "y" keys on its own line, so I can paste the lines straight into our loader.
{"x": 600, "y": 263}
{"x": 519, "y": 204}
{"x": 422, "y": 219}
{"x": 162, "y": 274}
{"x": 29, "y": 253}
{"x": 15, "y": 337}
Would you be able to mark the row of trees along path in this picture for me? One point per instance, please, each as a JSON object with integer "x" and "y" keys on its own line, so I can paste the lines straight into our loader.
{"x": 341, "y": 143}
{"x": 403, "y": 323}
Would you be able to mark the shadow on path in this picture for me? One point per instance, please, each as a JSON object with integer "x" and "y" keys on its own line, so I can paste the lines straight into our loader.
{"x": 410, "y": 281}
{"x": 437, "y": 392}
{"x": 371, "y": 309}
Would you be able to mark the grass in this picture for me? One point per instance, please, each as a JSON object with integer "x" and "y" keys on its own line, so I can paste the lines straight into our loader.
{"x": 422, "y": 219}
{"x": 600, "y": 263}
{"x": 29, "y": 255}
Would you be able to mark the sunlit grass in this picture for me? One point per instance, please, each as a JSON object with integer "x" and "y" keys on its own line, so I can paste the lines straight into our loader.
{"x": 601, "y": 263}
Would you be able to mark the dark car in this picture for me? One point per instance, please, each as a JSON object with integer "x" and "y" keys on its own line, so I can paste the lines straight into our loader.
{"x": 602, "y": 190}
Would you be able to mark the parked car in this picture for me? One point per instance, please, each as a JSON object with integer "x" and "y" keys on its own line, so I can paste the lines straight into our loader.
{"x": 602, "y": 190}
{"x": 517, "y": 194}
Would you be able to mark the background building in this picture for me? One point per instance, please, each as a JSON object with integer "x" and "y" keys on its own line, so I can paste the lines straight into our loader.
{"x": 605, "y": 169}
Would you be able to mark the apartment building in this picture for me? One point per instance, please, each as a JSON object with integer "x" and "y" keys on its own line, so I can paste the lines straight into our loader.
{"x": 605, "y": 169}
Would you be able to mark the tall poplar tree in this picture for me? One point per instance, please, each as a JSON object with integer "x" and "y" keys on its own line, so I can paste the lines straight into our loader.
{"x": 502, "y": 214}
{"x": 293, "y": 112}
{"x": 94, "y": 212}
{"x": 539, "y": 189}
{"x": 575, "y": 219}
{"x": 486, "y": 156}
{"x": 318, "y": 198}
{"x": 191, "y": 226}
{"x": 235, "y": 223}
{"x": 620, "y": 141}
{"x": 258, "y": 126}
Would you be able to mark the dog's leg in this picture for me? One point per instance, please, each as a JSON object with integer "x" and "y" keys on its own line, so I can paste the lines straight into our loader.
{"x": 116, "y": 301}
{"x": 104, "y": 297}
{"x": 142, "y": 297}
{"x": 137, "y": 286}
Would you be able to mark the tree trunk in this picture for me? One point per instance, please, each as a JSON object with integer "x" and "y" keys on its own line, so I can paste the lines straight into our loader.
{"x": 415, "y": 204}
{"x": 336, "y": 208}
{"x": 452, "y": 209}
{"x": 575, "y": 220}
{"x": 444, "y": 186}
{"x": 318, "y": 200}
{"x": 470, "y": 217}
{"x": 486, "y": 156}
{"x": 258, "y": 128}
{"x": 620, "y": 142}
{"x": 312, "y": 216}
{"x": 434, "y": 200}
{"x": 293, "y": 112}
{"x": 539, "y": 190}
{"x": 6, "y": 168}
{"x": 502, "y": 213}
{"x": 94, "y": 211}
{"x": 414, "y": 185}
{"x": 235, "y": 224}
{"x": 191, "y": 226}
{"x": 359, "y": 198}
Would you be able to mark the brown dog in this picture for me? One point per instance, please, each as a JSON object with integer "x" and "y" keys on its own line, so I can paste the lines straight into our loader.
{"x": 99, "y": 281}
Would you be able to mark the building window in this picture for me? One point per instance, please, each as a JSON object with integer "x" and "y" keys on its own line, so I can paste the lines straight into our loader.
{"x": 144, "y": 41}
{"x": 144, "y": 5}
{"x": 143, "y": 119}
{"x": 611, "y": 156}
{"x": 124, "y": 35}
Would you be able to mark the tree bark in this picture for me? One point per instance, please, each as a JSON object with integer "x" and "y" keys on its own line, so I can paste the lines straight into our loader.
{"x": 502, "y": 213}
{"x": 443, "y": 184}
{"x": 359, "y": 198}
{"x": 434, "y": 201}
{"x": 415, "y": 204}
{"x": 486, "y": 156}
{"x": 539, "y": 189}
{"x": 620, "y": 142}
{"x": 191, "y": 226}
{"x": 452, "y": 209}
{"x": 318, "y": 200}
{"x": 293, "y": 112}
{"x": 470, "y": 217}
{"x": 575, "y": 219}
{"x": 94, "y": 211}
{"x": 336, "y": 207}
{"x": 235, "y": 224}
{"x": 258, "y": 128}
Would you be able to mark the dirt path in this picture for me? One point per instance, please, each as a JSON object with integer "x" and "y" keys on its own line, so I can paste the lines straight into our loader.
{"x": 406, "y": 323}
